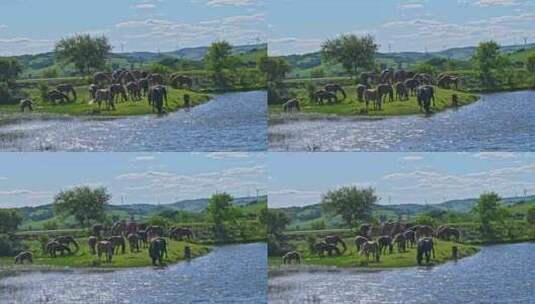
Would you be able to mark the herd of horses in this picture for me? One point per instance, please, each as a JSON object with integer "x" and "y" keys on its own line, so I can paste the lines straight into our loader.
{"x": 389, "y": 85}
{"x": 107, "y": 241}
{"x": 121, "y": 85}
{"x": 374, "y": 241}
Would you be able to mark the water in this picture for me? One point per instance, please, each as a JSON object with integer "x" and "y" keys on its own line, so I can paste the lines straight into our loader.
{"x": 498, "y": 122}
{"x": 497, "y": 274}
{"x": 230, "y": 274}
{"x": 230, "y": 122}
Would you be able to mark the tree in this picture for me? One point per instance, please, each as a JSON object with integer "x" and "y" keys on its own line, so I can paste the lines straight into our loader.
{"x": 10, "y": 220}
{"x": 85, "y": 52}
{"x": 217, "y": 59}
{"x": 10, "y": 69}
{"x": 84, "y": 203}
{"x": 351, "y": 51}
{"x": 275, "y": 68}
{"x": 530, "y": 63}
{"x": 486, "y": 58}
{"x": 530, "y": 215}
{"x": 427, "y": 68}
{"x": 351, "y": 203}
{"x": 275, "y": 221}
{"x": 220, "y": 210}
{"x": 487, "y": 209}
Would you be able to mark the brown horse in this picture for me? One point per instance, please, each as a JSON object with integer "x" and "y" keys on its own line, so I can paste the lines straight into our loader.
{"x": 67, "y": 89}
{"x": 335, "y": 240}
{"x": 385, "y": 244}
{"x": 447, "y": 232}
{"x": 133, "y": 240}
{"x": 26, "y": 103}
{"x": 92, "y": 243}
{"x": 117, "y": 242}
{"x": 359, "y": 240}
{"x": 401, "y": 91}
{"x": 322, "y": 247}
{"x": 292, "y": 256}
{"x": 401, "y": 242}
{"x": 335, "y": 88}
{"x": 384, "y": 91}
{"x": 24, "y": 256}
{"x": 410, "y": 237}
{"x": 371, "y": 248}
{"x": 425, "y": 248}
{"x": 117, "y": 90}
{"x": 67, "y": 240}
{"x": 179, "y": 81}
{"x": 371, "y": 95}
{"x": 56, "y": 95}
{"x": 423, "y": 230}
{"x": 360, "y": 92}
{"x": 321, "y": 95}
{"x": 106, "y": 248}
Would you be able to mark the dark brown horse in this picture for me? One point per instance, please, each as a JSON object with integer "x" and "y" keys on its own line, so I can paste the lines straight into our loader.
{"x": 56, "y": 95}
{"x": 448, "y": 232}
{"x": 292, "y": 256}
{"x": 335, "y": 240}
{"x": 24, "y": 256}
{"x": 179, "y": 81}
{"x": 401, "y": 242}
{"x": 335, "y": 88}
{"x": 360, "y": 92}
{"x": 67, "y": 89}
{"x": 359, "y": 240}
{"x": 385, "y": 244}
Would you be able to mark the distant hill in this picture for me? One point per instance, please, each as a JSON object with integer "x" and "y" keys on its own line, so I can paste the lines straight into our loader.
{"x": 304, "y": 216}
{"x": 37, "y": 215}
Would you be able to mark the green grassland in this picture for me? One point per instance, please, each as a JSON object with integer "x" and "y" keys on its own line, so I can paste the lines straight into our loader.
{"x": 83, "y": 258}
{"x": 351, "y": 258}
{"x": 352, "y": 107}
{"x": 81, "y": 106}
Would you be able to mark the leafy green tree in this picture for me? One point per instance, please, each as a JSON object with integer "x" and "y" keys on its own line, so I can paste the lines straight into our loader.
{"x": 159, "y": 220}
{"x": 487, "y": 58}
{"x": 159, "y": 68}
{"x": 351, "y": 51}
{"x": 84, "y": 203}
{"x": 217, "y": 59}
{"x": 85, "y": 52}
{"x": 275, "y": 221}
{"x": 351, "y": 203}
{"x": 10, "y": 220}
{"x": 530, "y": 215}
{"x": 275, "y": 68}
{"x": 487, "y": 209}
{"x": 50, "y": 73}
{"x": 219, "y": 211}
{"x": 10, "y": 69}
{"x": 424, "y": 219}
{"x": 50, "y": 225}
{"x": 427, "y": 68}
{"x": 530, "y": 64}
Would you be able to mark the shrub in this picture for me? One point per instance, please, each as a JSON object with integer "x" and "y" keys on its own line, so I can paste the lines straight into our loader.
{"x": 10, "y": 247}
{"x": 43, "y": 90}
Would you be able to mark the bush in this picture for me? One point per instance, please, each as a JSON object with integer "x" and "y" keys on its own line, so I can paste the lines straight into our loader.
{"x": 50, "y": 73}
{"x": 5, "y": 95}
{"x": 43, "y": 90}
{"x": 311, "y": 241}
{"x": 10, "y": 247}
{"x": 50, "y": 225}
{"x": 426, "y": 220}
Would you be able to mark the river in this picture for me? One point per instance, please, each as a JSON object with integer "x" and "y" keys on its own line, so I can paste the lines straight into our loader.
{"x": 497, "y": 274}
{"x": 229, "y": 274}
{"x": 229, "y": 122}
{"x": 497, "y": 122}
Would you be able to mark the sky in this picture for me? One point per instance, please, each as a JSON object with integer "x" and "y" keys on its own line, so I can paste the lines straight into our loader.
{"x": 299, "y": 179}
{"x": 300, "y": 26}
{"x": 33, "y": 26}
{"x": 31, "y": 179}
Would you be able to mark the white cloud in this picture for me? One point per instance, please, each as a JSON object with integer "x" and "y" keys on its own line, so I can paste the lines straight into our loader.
{"x": 144, "y": 6}
{"x": 495, "y": 155}
{"x": 143, "y": 158}
{"x": 412, "y": 158}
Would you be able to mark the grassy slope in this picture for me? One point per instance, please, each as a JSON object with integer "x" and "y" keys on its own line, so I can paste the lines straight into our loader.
{"x": 82, "y": 107}
{"x": 351, "y": 106}
{"x": 84, "y": 259}
{"x": 352, "y": 259}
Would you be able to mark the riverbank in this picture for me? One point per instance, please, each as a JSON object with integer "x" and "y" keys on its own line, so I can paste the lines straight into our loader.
{"x": 352, "y": 107}
{"x": 351, "y": 258}
{"x": 81, "y": 106}
{"x": 84, "y": 259}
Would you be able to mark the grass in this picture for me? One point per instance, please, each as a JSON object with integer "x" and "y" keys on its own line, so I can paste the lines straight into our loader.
{"x": 83, "y": 258}
{"x": 351, "y": 107}
{"x": 351, "y": 258}
{"x": 82, "y": 107}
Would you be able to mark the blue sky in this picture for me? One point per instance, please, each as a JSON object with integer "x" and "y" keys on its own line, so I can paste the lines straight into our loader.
{"x": 297, "y": 179}
{"x": 29, "y": 179}
{"x": 299, "y": 26}
{"x": 32, "y": 26}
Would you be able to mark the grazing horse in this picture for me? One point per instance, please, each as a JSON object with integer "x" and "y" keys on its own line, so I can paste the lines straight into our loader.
{"x": 177, "y": 233}
{"x": 92, "y": 243}
{"x": 134, "y": 90}
{"x": 117, "y": 242}
{"x": 360, "y": 92}
{"x": 53, "y": 247}
{"x": 102, "y": 78}
{"x": 117, "y": 90}
{"x": 154, "y": 231}
{"x": 144, "y": 85}
{"x": 106, "y": 248}
{"x": 335, "y": 88}
{"x": 178, "y": 81}
{"x": 447, "y": 232}
{"x": 67, "y": 89}
{"x": 425, "y": 248}
{"x": 359, "y": 240}
{"x": 118, "y": 228}
{"x": 157, "y": 250}
{"x": 401, "y": 242}
{"x": 370, "y": 247}
{"x": 24, "y": 256}
{"x": 371, "y": 95}
{"x": 56, "y": 95}
{"x": 385, "y": 243}
{"x": 334, "y": 240}
{"x": 422, "y": 230}
{"x": 133, "y": 241}
{"x": 321, "y": 247}
{"x": 157, "y": 95}
{"x": 387, "y": 76}
{"x": 401, "y": 91}
{"x": 142, "y": 235}
{"x": 384, "y": 90}
{"x": 155, "y": 79}
{"x": 446, "y": 81}
{"x": 291, "y": 105}
{"x": 292, "y": 256}
{"x": 26, "y": 103}
{"x": 67, "y": 241}
{"x": 400, "y": 75}
{"x": 321, "y": 95}
{"x": 410, "y": 237}
{"x": 411, "y": 84}
{"x": 424, "y": 96}
{"x": 104, "y": 95}
{"x": 93, "y": 88}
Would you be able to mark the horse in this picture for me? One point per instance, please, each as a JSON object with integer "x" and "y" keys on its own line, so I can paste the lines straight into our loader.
{"x": 425, "y": 95}
{"x": 157, "y": 250}
{"x": 360, "y": 92}
{"x": 92, "y": 243}
{"x": 117, "y": 89}
{"x": 106, "y": 248}
{"x": 410, "y": 237}
{"x": 321, "y": 247}
{"x": 102, "y": 77}
{"x": 425, "y": 248}
{"x": 24, "y": 256}
{"x": 334, "y": 240}
{"x": 93, "y": 88}
{"x": 372, "y": 95}
{"x": 155, "y": 79}
{"x": 384, "y": 90}
{"x": 134, "y": 90}
{"x": 401, "y": 91}
{"x": 156, "y": 96}
{"x": 179, "y": 233}
{"x": 26, "y": 103}
{"x": 291, "y": 105}
{"x": 359, "y": 240}
{"x": 104, "y": 95}
{"x": 335, "y": 88}
{"x": 385, "y": 243}
{"x": 66, "y": 89}
{"x": 133, "y": 241}
{"x": 56, "y": 95}
{"x": 117, "y": 242}
{"x": 321, "y": 95}
{"x": 401, "y": 242}
{"x": 370, "y": 247}
{"x": 68, "y": 240}
{"x": 447, "y": 232}
{"x": 411, "y": 84}
{"x": 291, "y": 256}
{"x": 178, "y": 81}
{"x": 387, "y": 76}
{"x": 422, "y": 230}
